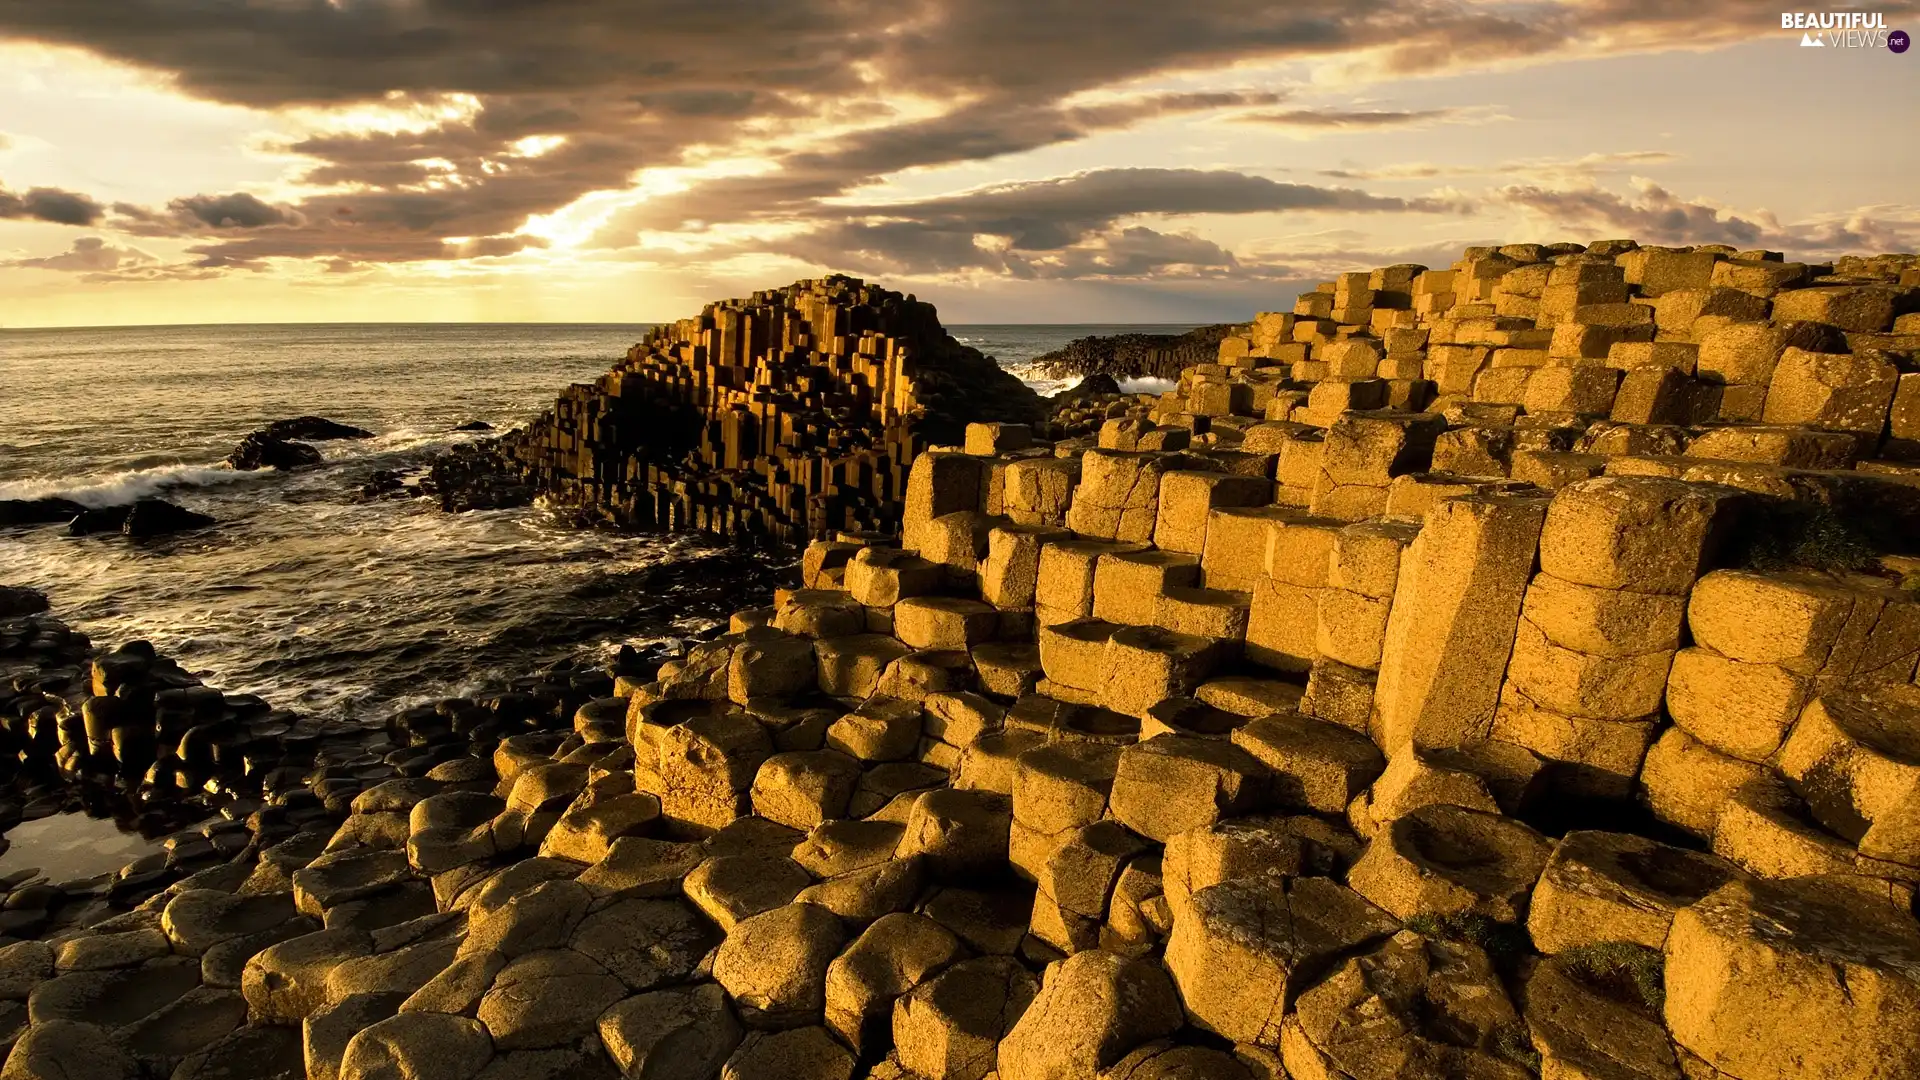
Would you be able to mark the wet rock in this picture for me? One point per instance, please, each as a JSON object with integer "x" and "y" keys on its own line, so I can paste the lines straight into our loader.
{"x": 263, "y": 451}
{"x": 313, "y": 429}
{"x": 103, "y": 519}
{"x": 16, "y": 601}
{"x": 17, "y": 512}
{"x": 157, "y": 517}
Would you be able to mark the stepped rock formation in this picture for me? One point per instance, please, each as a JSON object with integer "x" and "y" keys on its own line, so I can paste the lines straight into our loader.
{"x": 790, "y": 414}
{"x": 1395, "y": 704}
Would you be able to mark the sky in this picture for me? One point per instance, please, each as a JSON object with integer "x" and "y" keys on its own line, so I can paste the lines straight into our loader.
{"x": 236, "y": 161}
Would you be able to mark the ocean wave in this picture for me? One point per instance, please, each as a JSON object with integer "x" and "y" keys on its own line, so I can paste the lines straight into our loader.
{"x": 119, "y": 488}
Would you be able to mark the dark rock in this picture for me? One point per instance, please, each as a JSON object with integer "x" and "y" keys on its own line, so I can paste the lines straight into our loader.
{"x": 99, "y": 520}
{"x": 263, "y": 451}
{"x": 157, "y": 517}
{"x": 1092, "y": 386}
{"x": 313, "y": 429}
{"x": 478, "y": 476}
{"x": 384, "y": 482}
{"x": 15, "y": 512}
{"x": 15, "y": 600}
{"x": 1132, "y": 356}
{"x": 475, "y": 425}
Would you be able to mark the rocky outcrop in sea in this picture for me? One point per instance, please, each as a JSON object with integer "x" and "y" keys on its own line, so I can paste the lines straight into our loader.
{"x": 1134, "y": 356}
{"x": 789, "y": 414}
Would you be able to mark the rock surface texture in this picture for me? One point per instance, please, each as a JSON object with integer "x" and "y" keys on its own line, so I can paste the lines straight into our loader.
{"x": 1480, "y": 674}
{"x": 792, "y": 413}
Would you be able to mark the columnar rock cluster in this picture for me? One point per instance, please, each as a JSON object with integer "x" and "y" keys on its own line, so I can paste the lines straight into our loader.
{"x": 1121, "y": 356}
{"x": 135, "y": 720}
{"x": 1159, "y": 755}
{"x": 793, "y": 413}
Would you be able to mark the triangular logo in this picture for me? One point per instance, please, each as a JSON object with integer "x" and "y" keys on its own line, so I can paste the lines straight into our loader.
{"x": 1809, "y": 41}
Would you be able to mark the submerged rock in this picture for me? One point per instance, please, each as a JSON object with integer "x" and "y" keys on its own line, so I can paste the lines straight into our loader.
{"x": 15, "y": 600}
{"x": 16, "y": 512}
{"x": 99, "y": 519}
{"x": 475, "y": 425}
{"x": 313, "y": 429}
{"x": 140, "y": 520}
{"x": 263, "y": 451}
{"x": 157, "y": 517}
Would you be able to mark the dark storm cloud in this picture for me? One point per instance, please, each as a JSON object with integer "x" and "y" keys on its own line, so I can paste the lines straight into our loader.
{"x": 1073, "y": 226}
{"x": 631, "y": 84}
{"x": 50, "y": 205}
{"x": 236, "y": 211}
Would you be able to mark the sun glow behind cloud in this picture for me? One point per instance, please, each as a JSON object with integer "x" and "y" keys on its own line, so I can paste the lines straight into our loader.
{"x": 883, "y": 141}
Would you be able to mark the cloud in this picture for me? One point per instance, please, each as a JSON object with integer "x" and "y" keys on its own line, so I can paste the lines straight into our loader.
{"x": 50, "y": 205}
{"x": 1080, "y": 225}
{"x": 832, "y": 96}
{"x": 1346, "y": 120}
{"x": 236, "y": 211}
{"x": 1587, "y": 165}
{"x": 88, "y": 255}
{"x": 1651, "y": 213}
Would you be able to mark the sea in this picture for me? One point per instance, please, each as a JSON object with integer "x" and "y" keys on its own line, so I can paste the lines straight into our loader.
{"x": 307, "y": 593}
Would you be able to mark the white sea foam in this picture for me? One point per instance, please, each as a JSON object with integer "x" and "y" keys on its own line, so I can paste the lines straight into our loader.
{"x": 116, "y": 489}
